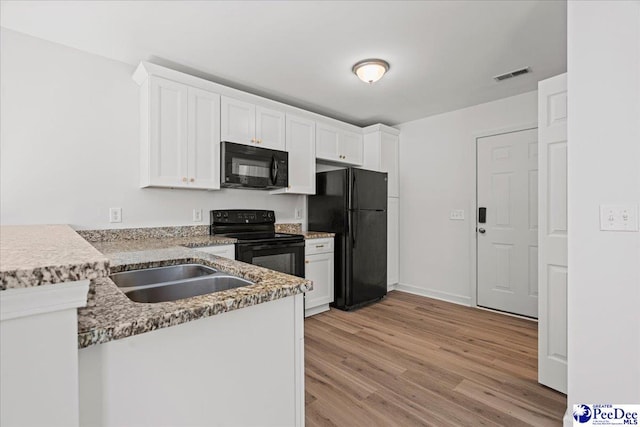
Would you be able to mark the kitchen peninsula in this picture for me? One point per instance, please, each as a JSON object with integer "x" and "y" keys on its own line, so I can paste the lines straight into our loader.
{"x": 201, "y": 360}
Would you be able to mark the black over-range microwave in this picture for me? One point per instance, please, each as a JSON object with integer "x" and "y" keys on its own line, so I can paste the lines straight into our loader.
{"x": 244, "y": 166}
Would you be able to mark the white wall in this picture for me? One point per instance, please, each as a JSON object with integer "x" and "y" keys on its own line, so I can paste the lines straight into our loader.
{"x": 437, "y": 174}
{"x": 69, "y": 145}
{"x": 603, "y": 167}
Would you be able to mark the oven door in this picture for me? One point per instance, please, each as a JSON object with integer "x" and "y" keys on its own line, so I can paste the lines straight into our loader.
{"x": 252, "y": 167}
{"x": 283, "y": 257}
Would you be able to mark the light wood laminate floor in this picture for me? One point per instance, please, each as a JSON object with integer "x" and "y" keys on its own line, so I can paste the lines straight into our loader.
{"x": 410, "y": 360}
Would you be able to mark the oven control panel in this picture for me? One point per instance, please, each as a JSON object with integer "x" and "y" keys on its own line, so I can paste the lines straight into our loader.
{"x": 242, "y": 216}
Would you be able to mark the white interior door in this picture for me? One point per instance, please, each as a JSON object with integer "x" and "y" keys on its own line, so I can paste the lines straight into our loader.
{"x": 552, "y": 268}
{"x": 508, "y": 241}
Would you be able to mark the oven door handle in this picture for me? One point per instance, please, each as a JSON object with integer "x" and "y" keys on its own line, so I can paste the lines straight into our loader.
{"x": 255, "y": 247}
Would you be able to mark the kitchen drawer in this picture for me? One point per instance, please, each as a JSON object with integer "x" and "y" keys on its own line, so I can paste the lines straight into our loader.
{"x": 225, "y": 251}
{"x": 318, "y": 246}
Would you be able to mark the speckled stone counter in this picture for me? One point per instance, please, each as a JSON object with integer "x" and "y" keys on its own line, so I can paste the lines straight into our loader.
{"x": 144, "y": 244}
{"x": 317, "y": 235}
{"x": 35, "y": 255}
{"x": 110, "y": 315}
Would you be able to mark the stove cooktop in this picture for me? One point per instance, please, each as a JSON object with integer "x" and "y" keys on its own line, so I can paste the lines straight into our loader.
{"x": 265, "y": 237}
{"x": 249, "y": 227}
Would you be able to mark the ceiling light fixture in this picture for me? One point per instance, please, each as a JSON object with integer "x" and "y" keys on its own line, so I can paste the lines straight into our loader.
{"x": 370, "y": 70}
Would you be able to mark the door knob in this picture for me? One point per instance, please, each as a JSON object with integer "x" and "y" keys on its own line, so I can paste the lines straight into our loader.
{"x": 481, "y": 230}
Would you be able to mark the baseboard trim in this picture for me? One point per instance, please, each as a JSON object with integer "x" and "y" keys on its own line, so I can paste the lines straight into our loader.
{"x": 316, "y": 310}
{"x": 432, "y": 293}
{"x": 392, "y": 287}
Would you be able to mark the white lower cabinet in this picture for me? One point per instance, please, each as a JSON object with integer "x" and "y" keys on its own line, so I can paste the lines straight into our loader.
{"x": 319, "y": 269}
{"x": 200, "y": 373}
{"x": 393, "y": 242}
{"x": 225, "y": 251}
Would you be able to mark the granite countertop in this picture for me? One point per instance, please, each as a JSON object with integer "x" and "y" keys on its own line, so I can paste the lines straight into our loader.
{"x": 159, "y": 243}
{"x": 317, "y": 235}
{"x": 110, "y": 315}
{"x": 35, "y": 255}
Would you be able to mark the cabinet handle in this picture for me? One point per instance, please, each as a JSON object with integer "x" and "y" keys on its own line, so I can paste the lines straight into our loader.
{"x": 319, "y": 246}
{"x": 306, "y": 261}
{"x": 184, "y": 179}
{"x": 192, "y": 180}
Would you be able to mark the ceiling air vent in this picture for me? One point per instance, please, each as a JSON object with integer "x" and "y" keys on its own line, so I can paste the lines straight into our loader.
{"x": 511, "y": 74}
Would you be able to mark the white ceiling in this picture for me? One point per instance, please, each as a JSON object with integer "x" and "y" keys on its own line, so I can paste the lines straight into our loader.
{"x": 443, "y": 54}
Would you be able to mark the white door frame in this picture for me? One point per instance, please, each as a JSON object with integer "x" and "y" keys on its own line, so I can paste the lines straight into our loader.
{"x": 473, "y": 249}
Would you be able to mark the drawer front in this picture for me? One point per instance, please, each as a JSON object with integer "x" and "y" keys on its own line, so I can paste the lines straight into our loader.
{"x": 318, "y": 246}
{"x": 225, "y": 251}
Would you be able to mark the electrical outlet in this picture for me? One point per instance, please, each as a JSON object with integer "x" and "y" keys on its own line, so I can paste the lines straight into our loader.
{"x": 115, "y": 214}
{"x": 197, "y": 215}
{"x": 298, "y": 213}
{"x": 457, "y": 215}
{"x": 619, "y": 217}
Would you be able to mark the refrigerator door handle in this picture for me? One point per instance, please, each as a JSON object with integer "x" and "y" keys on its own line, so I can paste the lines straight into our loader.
{"x": 354, "y": 194}
{"x": 354, "y": 230}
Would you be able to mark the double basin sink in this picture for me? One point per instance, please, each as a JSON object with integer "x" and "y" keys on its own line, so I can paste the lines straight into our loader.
{"x": 174, "y": 282}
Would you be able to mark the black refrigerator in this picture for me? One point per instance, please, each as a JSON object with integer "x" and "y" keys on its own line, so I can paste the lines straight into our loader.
{"x": 352, "y": 203}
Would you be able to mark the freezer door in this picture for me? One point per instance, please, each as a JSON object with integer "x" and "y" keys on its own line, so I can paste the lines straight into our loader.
{"x": 368, "y": 242}
{"x": 327, "y": 209}
{"x": 368, "y": 189}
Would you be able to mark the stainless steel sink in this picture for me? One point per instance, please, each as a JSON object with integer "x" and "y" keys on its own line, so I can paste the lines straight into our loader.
{"x": 187, "y": 288}
{"x": 174, "y": 282}
{"x": 151, "y": 276}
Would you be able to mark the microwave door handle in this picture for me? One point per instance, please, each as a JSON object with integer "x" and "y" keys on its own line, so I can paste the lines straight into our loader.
{"x": 274, "y": 169}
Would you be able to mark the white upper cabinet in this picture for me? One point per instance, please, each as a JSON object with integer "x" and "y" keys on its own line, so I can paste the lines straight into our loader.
{"x": 204, "y": 139}
{"x": 338, "y": 145}
{"x": 301, "y": 146}
{"x": 270, "y": 132}
{"x": 246, "y": 123}
{"x": 381, "y": 145}
{"x": 180, "y": 135}
{"x": 238, "y": 121}
{"x": 166, "y": 152}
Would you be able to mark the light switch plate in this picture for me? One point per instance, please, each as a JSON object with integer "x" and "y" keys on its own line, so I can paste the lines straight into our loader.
{"x": 457, "y": 215}
{"x": 619, "y": 217}
{"x": 298, "y": 213}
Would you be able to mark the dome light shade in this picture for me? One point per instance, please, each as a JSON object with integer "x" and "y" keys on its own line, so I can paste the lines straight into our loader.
{"x": 370, "y": 70}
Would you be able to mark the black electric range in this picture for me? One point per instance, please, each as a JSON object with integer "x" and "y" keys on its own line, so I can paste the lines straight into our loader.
{"x": 258, "y": 243}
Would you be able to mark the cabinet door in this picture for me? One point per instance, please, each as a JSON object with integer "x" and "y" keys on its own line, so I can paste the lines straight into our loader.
{"x": 270, "y": 128}
{"x": 393, "y": 242}
{"x": 238, "y": 121}
{"x": 204, "y": 139}
{"x": 351, "y": 147}
{"x": 389, "y": 161}
{"x": 326, "y": 142}
{"x": 301, "y": 145}
{"x": 167, "y": 154}
{"x": 319, "y": 269}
